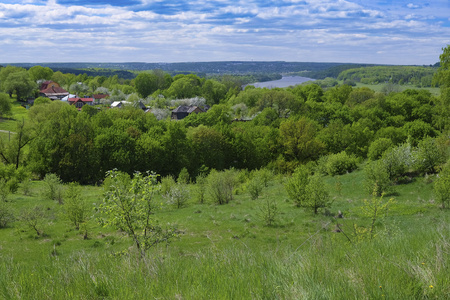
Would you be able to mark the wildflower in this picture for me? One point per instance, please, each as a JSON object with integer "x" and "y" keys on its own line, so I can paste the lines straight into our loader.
{"x": 431, "y": 286}
{"x": 423, "y": 263}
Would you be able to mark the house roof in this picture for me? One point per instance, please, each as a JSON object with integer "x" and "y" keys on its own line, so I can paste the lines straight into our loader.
{"x": 54, "y": 90}
{"x": 100, "y": 96}
{"x": 80, "y": 99}
{"x": 186, "y": 109}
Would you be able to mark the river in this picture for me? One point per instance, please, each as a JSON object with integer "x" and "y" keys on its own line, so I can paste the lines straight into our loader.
{"x": 282, "y": 83}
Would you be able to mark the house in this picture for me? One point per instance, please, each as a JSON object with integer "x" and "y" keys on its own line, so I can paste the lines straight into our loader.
{"x": 183, "y": 111}
{"x": 98, "y": 97}
{"x": 49, "y": 83}
{"x": 120, "y": 104}
{"x": 54, "y": 92}
{"x": 80, "y": 102}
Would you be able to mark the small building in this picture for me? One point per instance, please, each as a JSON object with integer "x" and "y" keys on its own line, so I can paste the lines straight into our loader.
{"x": 98, "y": 97}
{"x": 121, "y": 104}
{"x": 183, "y": 111}
{"x": 80, "y": 102}
{"x": 47, "y": 84}
{"x": 54, "y": 92}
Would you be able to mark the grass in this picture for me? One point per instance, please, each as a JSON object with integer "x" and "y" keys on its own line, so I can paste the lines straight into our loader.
{"x": 226, "y": 252}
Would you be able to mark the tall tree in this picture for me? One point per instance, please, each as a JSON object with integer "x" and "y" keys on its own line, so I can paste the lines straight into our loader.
{"x": 19, "y": 83}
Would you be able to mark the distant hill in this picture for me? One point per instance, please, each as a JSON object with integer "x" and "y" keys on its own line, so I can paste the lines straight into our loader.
{"x": 206, "y": 68}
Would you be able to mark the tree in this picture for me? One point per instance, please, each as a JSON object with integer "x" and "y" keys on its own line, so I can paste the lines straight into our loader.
{"x": 146, "y": 84}
{"x": 128, "y": 205}
{"x": 5, "y": 105}
{"x": 442, "y": 77}
{"x": 12, "y": 152}
{"x": 19, "y": 83}
{"x": 299, "y": 141}
{"x": 39, "y": 72}
{"x": 442, "y": 186}
{"x": 307, "y": 191}
{"x": 75, "y": 206}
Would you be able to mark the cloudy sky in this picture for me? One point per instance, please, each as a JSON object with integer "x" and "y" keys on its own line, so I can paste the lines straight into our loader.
{"x": 358, "y": 31}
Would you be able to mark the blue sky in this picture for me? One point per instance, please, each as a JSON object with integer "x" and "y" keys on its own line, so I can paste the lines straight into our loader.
{"x": 357, "y": 31}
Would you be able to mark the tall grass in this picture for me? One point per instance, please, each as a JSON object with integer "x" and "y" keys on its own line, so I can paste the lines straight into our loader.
{"x": 406, "y": 265}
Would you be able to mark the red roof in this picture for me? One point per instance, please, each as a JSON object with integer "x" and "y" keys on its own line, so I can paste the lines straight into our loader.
{"x": 54, "y": 90}
{"x": 100, "y": 96}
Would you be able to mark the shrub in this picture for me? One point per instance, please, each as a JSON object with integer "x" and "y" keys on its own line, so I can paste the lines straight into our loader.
{"x": 442, "y": 186}
{"x": 307, "y": 191}
{"x": 75, "y": 206}
{"x": 429, "y": 155}
{"x": 166, "y": 184}
{"x": 178, "y": 195}
{"x": 398, "y": 160}
{"x": 377, "y": 180}
{"x": 200, "y": 188}
{"x": 6, "y": 214}
{"x": 255, "y": 187}
{"x": 220, "y": 185}
{"x": 340, "y": 163}
{"x": 268, "y": 212}
{"x": 53, "y": 188}
{"x": 183, "y": 177}
{"x": 378, "y": 147}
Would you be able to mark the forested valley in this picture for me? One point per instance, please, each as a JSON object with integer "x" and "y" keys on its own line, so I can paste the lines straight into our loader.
{"x": 327, "y": 189}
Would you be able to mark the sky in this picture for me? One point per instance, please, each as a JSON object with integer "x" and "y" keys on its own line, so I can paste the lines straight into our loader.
{"x": 349, "y": 31}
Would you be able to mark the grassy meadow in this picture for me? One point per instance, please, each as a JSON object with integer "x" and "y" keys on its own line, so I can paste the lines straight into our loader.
{"x": 228, "y": 252}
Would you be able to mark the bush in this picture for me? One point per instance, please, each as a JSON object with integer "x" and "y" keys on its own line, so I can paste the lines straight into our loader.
{"x": 53, "y": 188}
{"x": 340, "y": 163}
{"x": 377, "y": 180}
{"x": 183, "y": 177}
{"x": 429, "y": 155}
{"x": 220, "y": 185}
{"x": 255, "y": 187}
{"x": 442, "y": 186}
{"x": 75, "y": 205}
{"x": 166, "y": 184}
{"x": 6, "y": 214}
{"x": 178, "y": 195}
{"x": 398, "y": 161}
{"x": 268, "y": 212}
{"x": 378, "y": 147}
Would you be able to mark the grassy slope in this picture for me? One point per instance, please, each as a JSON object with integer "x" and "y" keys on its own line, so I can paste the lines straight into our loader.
{"x": 226, "y": 251}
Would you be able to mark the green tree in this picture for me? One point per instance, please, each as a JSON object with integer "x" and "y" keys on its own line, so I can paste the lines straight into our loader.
{"x": 5, "y": 105}
{"x": 75, "y": 206}
{"x": 19, "y": 83}
{"x": 146, "y": 84}
{"x": 299, "y": 142}
{"x": 307, "y": 191}
{"x": 39, "y": 72}
{"x": 129, "y": 205}
{"x": 442, "y": 186}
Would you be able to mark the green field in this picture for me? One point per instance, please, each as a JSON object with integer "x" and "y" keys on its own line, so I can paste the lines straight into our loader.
{"x": 227, "y": 252}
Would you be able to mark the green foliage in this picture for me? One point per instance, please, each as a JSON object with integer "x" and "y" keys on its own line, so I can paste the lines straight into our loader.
{"x": 378, "y": 147}
{"x": 307, "y": 191}
{"x": 296, "y": 186}
{"x": 377, "y": 180}
{"x": 255, "y": 187}
{"x": 341, "y": 163}
{"x": 183, "y": 177}
{"x": 317, "y": 194}
{"x": 41, "y": 101}
{"x": 5, "y": 105}
{"x": 33, "y": 218}
{"x": 200, "y": 188}
{"x": 6, "y": 212}
{"x": 19, "y": 83}
{"x": 442, "y": 186}
{"x": 167, "y": 182}
{"x": 4, "y": 190}
{"x": 268, "y": 212}
{"x": 429, "y": 155}
{"x": 129, "y": 205}
{"x": 178, "y": 195}
{"x": 398, "y": 161}
{"x": 220, "y": 185}
{"x": 75, "y": 206}
{"x": 53, "y": 188}
{"x": 375, "y": 209}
